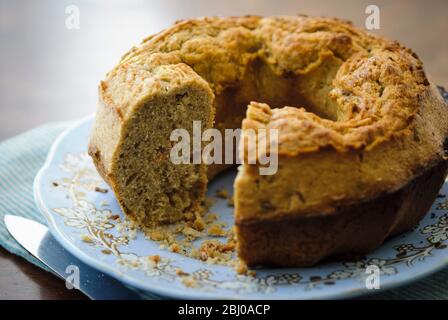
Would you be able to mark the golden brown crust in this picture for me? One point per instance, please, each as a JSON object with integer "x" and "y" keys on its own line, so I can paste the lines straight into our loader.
{"x": 375, "y": 90}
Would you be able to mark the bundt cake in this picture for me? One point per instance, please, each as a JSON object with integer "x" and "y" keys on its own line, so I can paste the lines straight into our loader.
{"x": 361, "y": 150}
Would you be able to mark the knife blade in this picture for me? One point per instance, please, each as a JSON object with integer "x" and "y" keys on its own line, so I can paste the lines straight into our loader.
{"x": 38, "y": 241}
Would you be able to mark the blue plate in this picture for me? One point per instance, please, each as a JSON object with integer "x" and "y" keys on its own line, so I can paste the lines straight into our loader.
{"x": 68, "y": 192}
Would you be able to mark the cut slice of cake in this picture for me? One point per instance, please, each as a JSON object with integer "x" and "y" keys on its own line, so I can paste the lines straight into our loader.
{"x": 131, "y": 146}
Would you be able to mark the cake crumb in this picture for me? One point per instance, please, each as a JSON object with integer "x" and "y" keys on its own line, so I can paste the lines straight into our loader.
{"x": 222, "y": 193}
{"x": 55, "y": 184}
{"x": 213, "y": 251}
{"x": 229, "y": 246}
{"x": 241, "y": 268}
{"x": 251, "y": 273}
{"x": 211, "y": 217}
{"x": 190, "y": 232}
{"x": 154, "y": 259}
{"x": 127, "y": 228}
{"x": 156, "y": 235}
{"x": 174, "y": 248}
{"x": 189, "y": 282}
{"x": 216, "y": 230}
{"x": 106, "y": 251}
{"x": 182, "y": 236}
{"x": 180, "y": 272}
{"x": 199, "y": 223}
{"x": 101, "y": 190}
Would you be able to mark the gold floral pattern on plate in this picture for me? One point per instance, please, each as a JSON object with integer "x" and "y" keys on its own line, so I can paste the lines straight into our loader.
{"x": 98, "y": 228}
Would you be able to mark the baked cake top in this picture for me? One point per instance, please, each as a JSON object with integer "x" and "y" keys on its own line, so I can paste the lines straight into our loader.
{"x": 370, "y": 86}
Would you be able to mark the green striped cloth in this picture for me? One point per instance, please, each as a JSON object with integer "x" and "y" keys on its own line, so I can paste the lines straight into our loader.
{"x": 20, "y": 159}
{"x": 22, "y": 156}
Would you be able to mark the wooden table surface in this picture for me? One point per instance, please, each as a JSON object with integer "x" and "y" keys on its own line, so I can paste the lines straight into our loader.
{"x": 49, "y": 72}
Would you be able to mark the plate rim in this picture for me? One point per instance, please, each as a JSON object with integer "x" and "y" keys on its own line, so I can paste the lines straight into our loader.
{"x": 165, "y": 291}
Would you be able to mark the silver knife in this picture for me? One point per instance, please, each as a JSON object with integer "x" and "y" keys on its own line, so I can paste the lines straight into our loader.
{"x": 38, "y": 241}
